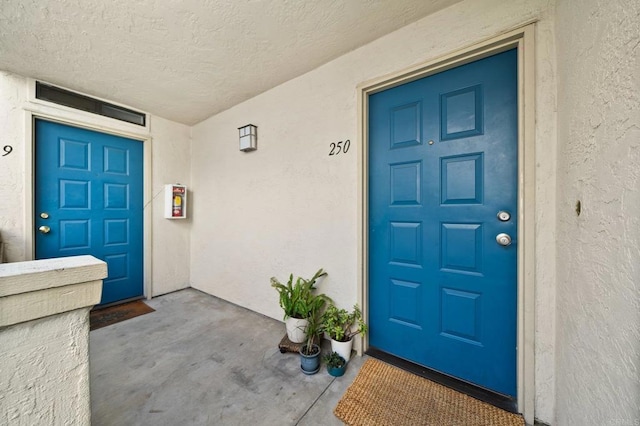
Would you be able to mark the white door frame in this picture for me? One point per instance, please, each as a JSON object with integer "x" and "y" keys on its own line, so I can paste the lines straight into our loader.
{"x": 35, "y": 108}
{"x": 522, "y": 39}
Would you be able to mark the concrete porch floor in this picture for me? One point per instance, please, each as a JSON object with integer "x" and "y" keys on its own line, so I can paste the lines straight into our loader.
{"x": 198, "y": 360}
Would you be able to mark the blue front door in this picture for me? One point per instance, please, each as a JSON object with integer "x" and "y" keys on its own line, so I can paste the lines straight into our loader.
{"x": 443, "y": 164}
{"x": 88, "y": 200}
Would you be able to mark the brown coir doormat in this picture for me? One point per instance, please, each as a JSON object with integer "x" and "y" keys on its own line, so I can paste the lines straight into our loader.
{"x": 106, "y": 316}
{"x": 384, "y": 395}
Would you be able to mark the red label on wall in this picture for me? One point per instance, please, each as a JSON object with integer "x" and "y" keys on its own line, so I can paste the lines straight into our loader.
{"x": 177, "y": 208}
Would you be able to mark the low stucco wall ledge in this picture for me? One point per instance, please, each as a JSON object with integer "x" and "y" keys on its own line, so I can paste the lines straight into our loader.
{"x": 40, "y": 288}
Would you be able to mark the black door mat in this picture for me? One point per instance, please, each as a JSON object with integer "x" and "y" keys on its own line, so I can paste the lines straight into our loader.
{"x": 107, "y": 316}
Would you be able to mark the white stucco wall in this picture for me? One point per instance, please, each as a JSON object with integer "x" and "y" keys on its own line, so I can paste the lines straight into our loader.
{"x": 171, "y": 153}
{"x": 45, "y": 371}
{"x": 12, "y": 93}
{"x": 289, "y": 207}
{"x": 167, "y": 156}
{"x": 44, "y": 339}
{"x": 598, "y": 338}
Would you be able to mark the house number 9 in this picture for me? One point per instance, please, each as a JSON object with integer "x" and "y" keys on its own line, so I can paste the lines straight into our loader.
{"x": 339, "y": 147}
{"x": 7, "y": 150}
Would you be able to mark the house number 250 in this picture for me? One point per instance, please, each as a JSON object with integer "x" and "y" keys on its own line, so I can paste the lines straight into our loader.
{"x": 7, "y": 150}
{"x": 339, "y": 147}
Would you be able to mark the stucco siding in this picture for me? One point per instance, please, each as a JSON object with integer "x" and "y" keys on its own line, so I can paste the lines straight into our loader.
{"x": 171, "y": 163}
{"x": 598, "y": 336}
{"x": 12, "y": 95}
{"x": 45, "y": 371}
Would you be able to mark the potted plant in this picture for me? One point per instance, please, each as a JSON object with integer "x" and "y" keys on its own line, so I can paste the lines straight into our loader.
{"x": 336, "y": 365}
{"x": 341, "y": 325}
{"x": 310, "y": 351}
{"x": 297, "y": 300}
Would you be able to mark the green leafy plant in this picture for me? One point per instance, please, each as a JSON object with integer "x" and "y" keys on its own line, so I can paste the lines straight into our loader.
{"x": 342, "y": 325}
{"x": 334, "y": 360}
{"x": 314, "y": 328}
{"x": 297, "y": 299}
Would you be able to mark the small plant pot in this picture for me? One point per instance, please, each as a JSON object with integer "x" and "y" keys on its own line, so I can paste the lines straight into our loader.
{"x": 310, "y": 364}
{"x": 336, "y": 371}
{"x": 296, "y": 329}
{"x": 342, "y": 348}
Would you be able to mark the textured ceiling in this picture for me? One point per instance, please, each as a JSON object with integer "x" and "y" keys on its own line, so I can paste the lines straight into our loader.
{"x": 187, "y": 60}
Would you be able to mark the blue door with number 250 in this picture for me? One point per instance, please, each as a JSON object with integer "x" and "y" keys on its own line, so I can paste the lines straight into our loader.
{"x": 443, "y": 191}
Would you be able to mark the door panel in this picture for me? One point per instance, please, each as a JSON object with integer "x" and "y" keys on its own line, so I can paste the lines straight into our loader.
{"x": 442, "y": 164}
{"x": 90, "y": 186}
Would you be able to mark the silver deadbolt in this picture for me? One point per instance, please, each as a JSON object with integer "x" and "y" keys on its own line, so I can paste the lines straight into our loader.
{"x": 503, "y": 216}
{"x": 44, "y": 215}
{"x": 503, "y": 239}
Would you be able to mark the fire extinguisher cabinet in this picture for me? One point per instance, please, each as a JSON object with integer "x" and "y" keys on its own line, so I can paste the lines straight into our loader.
{"x": 175, "y": 201}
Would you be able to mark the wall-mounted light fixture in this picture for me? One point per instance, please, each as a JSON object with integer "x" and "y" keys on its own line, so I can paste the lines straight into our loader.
{"x": 248, "y": 137}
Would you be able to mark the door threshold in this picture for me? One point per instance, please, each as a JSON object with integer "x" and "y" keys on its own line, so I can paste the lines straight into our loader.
{"x": 117, "y": 302}
{"x": 496, "y": 399}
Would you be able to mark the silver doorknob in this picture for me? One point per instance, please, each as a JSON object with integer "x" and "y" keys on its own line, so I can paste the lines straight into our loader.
{"x": 503, "y": 239}
{"x": 44, "y": 229}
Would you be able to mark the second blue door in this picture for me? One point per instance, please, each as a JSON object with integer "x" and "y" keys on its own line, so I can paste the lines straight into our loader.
{"x": 443, "y": 167}
{"x": 88, "y": 200}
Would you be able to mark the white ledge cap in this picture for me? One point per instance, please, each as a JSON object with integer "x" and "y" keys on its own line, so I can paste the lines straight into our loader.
{"x": 39, "y": 288}
{"x": 34, "y": 275}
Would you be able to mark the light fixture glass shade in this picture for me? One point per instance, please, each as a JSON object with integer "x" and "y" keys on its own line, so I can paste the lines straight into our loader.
{"x": 248, "y": 137}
